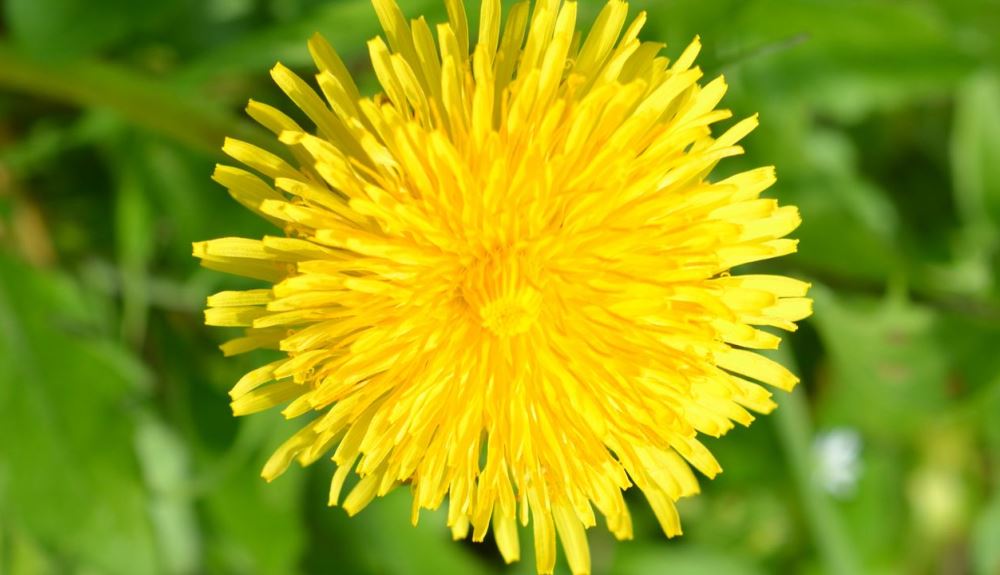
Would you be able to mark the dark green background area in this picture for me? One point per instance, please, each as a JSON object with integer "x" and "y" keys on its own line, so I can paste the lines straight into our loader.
{"x": 118, "y": 454}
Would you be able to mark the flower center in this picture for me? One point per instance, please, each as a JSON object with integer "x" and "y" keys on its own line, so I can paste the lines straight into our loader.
{"x": 502, "y": 295}
{"x": 512, "y": 314}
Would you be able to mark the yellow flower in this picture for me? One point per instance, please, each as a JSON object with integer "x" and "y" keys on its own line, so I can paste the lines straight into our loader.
{"x": 505, "y": 281}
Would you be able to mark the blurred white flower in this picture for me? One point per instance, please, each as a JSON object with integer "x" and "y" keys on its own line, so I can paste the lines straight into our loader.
{"x": 838, "y": 460}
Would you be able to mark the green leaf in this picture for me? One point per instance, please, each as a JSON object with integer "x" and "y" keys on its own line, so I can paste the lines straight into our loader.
{"x": 347, "y": 25}
{"x": 165, "y": 466}
{"x": 68, "y": 474}
{"x": 974, "y": 144}
{"x": 975, "y": 140}
{"x": 885, "y": 363}
{"x": 985, "y": 534}
{"x": 876, "y": 510}
{"x": 20, "y": 555}
{"x": 856, "y": 56}
{"x": 395, "y": 546}
{"x": 381, "y": 540}
{"x": 795, "y": 430}
{"x": 256, "y": 527}
{"x": 158, "y": 106}
{"x": 133, "y": 222}
{"x": 637, "y": 559}
{"x": 63, "y": 28}
{"x": 837, "y": 202}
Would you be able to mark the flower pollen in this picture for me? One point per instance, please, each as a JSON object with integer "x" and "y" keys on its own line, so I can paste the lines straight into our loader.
{"x": 501, "y": 291}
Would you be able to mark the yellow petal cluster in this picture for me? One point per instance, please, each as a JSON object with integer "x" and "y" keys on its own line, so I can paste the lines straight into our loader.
{"x": 504, "y": 281}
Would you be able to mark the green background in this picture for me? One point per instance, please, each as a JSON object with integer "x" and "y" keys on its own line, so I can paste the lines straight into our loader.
{"x": 118, "y": 453}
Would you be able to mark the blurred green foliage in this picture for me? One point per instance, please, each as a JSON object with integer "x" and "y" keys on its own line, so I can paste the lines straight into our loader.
{"x": 117, "y": 451}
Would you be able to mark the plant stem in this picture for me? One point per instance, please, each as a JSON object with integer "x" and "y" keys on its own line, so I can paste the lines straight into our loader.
{"x": 795, "y": 434}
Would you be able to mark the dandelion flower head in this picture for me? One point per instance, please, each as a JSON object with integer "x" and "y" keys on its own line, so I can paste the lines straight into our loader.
{"x": 504, "y": 280}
